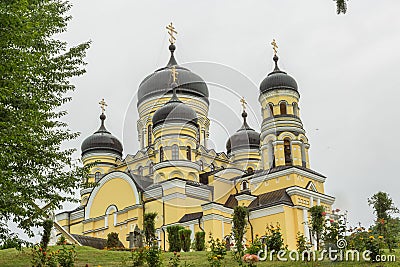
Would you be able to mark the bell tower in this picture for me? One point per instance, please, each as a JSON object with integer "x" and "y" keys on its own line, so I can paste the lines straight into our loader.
{"x": 283, "y": 139}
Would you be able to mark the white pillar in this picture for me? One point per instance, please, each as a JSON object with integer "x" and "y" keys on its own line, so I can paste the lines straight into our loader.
{"x": 305, "y": 224}
{"x": 318, "y": 201}
{"x": 311, "y": 201}
{"x": 192, "y": 229}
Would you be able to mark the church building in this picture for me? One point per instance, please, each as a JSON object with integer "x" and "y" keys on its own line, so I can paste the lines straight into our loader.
{"x": 176, "y": 175}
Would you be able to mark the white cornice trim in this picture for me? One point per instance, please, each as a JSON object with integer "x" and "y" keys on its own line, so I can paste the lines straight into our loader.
{"x": 177, "y": 163}
{"x": 174, "y": 196}
{"x": 262, "y": 178}
{"x": 103, "y": 181}
{"x": 245, "y": 197}
{"x": 296, "y": 190}
{"x": 218, "y": 217}
{"x": 216, "y": 206}
{"x": 174, "y": 183}
{"x": 259, "y": 213}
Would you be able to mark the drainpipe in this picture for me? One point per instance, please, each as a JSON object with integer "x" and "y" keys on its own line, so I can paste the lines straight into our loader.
{"x": 201, "y": 228}
{"x": 251, "y": 226}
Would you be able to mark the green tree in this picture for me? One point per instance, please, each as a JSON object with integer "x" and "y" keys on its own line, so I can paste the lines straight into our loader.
{"x": 384, "y": 207}
{"x": 238, "y": 230}
{"x": 35, "y": 74}
{"x": 149, "y": 226}
{"x": 317, "y": 222}
{"x": 341, "y": 6}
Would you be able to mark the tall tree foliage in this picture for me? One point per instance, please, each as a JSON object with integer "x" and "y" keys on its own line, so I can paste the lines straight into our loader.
{"x": 341, "y": 6}
{"x": 238, "y": 231}
{"x": 317, "y": 222}
{"x": 35, "y": 74}
{"x": 385, "y": 225}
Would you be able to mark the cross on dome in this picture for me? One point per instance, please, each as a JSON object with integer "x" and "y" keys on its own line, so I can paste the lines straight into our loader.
{"x": 171, "y": 32}
{"x": 274, "y": 46}
{"x": 103, "y": 105}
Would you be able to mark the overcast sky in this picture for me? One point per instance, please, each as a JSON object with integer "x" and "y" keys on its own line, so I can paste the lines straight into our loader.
{"x": 346, "y": 67}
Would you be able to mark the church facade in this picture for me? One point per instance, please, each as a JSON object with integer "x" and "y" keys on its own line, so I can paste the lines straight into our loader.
{"x": 177, "y": 176}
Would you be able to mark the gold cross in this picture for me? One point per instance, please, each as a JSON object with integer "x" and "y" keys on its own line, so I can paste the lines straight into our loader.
{"x": 274, "y": 46}
{"x": 174, "y": 74}
{"x": 171, "y": 32}
{"x": 103, "y": 105}
{"x": 244, "y": 103}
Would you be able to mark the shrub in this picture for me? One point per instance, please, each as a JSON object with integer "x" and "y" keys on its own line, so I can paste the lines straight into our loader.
{"x": 41, "y": 257}
{"x": 149, "y": 226}
{"x": 12, "y": 241}
{"x": 217, "y": 252}
{"x": 273, "y": 238}
{"x": 200, "y": 241}
{"x": 374, "y": 246}
{"x": 153, "y": 255}
{"x": 173, "y": 238}
{"x": 184, "y": 236}
{"x": 66, "y": 255}
{"x": 138, "y": 257}
{"x": 301, "y": 242}
{"x": 113, "y": 240}
{"x": 254, "y": 247}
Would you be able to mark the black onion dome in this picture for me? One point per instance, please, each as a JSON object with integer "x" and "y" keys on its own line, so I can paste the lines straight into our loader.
{"x": 174, "y": 111}
{"x": 278, "y": 80}
{"x": 102, "y": 140}
{"x": 244, "y": 138}
{"x": 158, "y": 83}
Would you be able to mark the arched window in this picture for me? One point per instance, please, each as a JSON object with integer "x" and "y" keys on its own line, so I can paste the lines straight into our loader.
{"x": 149, "y": 134}
{"x": 244, "y": 185}
{"x": 97, "y": 176}
{"x": 250, "y": 170}
{"x": 175, "y": 152}
{"x": 303, "y": 155}
{"x": 288, "y": 152}
{"x": 271, "y": 109}
{"x": 161, "y": 154}
{"x": 271, "y": 155}
{"x": 295, "y": 109}
{"x": 151, "y": 168}
{"x": 140, "y": 171}
{"x": 188, "y": 153}
{"x": 283, "y": 108}
{"x": 212, "y": 167}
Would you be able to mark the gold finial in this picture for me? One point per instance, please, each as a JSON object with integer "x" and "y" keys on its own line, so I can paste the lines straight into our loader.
{"x": 244, "y": 103}
{"x": 171, "y": 32}
{"x": 103, "y": 105}
{"x": 174, "y": 74}
{"x": 274, "y": 46}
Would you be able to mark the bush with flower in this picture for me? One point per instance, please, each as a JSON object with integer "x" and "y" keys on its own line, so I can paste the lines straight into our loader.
{"x": 274, "y": 238}
{"x": 138, "y": 256}
{"x": 43, "y": 257}
{"x": 66, "y": 255}
{"x": 250, "y": 259}
{"x": 217, "y": 252}
{"x": 374, "y": 245}
{"x": 153, "y": 255}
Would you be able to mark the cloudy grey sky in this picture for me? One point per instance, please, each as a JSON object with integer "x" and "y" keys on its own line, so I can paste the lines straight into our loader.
{"x": 346, "y": 67}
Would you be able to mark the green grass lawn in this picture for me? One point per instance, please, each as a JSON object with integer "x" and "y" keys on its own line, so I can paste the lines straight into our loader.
{"x": 94, "y": 257}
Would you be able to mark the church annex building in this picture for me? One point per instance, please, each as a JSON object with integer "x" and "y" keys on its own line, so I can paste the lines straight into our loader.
{"x": 176, "y": 175}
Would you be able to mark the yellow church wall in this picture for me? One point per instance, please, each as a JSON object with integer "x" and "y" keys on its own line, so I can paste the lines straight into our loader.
{"x": 222, "y": 190}
{"x": 114, "y": 187}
